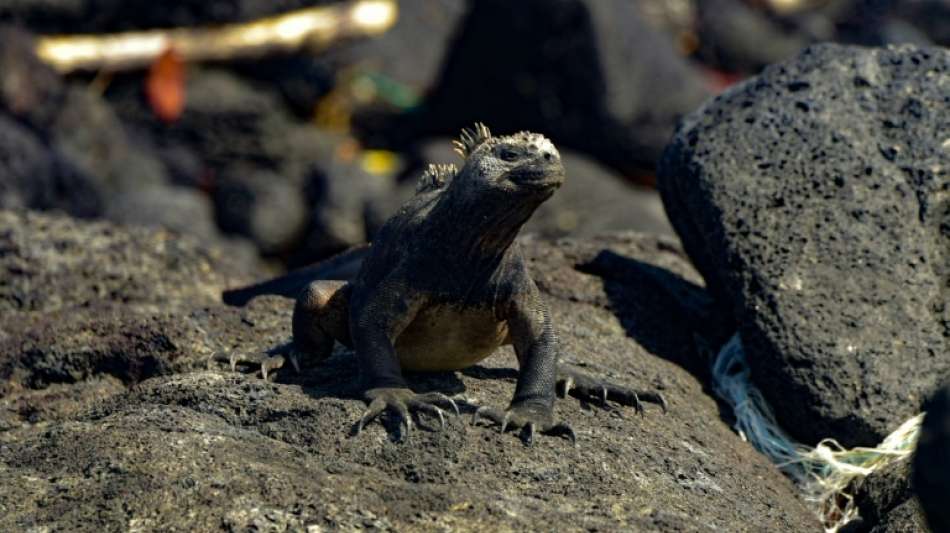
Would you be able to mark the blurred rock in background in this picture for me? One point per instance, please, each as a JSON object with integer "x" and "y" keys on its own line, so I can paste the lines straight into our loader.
{"x": 303, "y": 154}
{"x": 589, "y": 74}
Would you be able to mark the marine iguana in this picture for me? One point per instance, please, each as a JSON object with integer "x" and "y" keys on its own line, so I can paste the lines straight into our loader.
{"x": 444, "y": 284}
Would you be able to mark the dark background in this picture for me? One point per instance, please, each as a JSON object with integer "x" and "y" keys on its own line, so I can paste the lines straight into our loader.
{"x": 293, "y": 157}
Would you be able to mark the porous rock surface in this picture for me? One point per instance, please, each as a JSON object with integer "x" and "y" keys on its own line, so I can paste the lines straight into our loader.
{"x": 887, "y": 502}
{"x": 931, "y": 477}
{"x": 815, "y": 200}
{"x": 86, "y": 307}
{"x": 199, "y": 447}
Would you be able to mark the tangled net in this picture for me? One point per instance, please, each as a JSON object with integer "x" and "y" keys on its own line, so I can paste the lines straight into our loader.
{"x": 823, "y": 473}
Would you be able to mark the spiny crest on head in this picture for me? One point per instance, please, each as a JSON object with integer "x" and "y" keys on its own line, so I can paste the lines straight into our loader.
{"x": 469, "y": 140}
{"x": 436, "y": 177}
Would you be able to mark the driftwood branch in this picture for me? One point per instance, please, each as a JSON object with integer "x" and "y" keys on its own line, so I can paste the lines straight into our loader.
{"x": 791, "y": 7}
{"x": 316, "y": 27}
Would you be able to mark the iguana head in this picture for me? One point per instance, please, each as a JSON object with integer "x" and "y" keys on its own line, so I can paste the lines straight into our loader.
{"x": 484, "y": 204}
{"x": 524, "y": 165}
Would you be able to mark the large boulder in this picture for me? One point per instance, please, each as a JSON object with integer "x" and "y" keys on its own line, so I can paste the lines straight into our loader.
{"x": 932, "y": 462}
{"x": 211, "y": 449}
{"x": 814, "y": 200}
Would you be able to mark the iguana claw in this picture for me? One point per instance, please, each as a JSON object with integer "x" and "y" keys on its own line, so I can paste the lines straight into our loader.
{"x": 530, "y": 418}
{"x": 588, "y": 388}
{"x": 268, "y": 363}
{"x": 404, "y": 402}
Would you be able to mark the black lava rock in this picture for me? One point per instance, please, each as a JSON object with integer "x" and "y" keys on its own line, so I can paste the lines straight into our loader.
{"x": 226, "y": 118}
{"x": 886, "y": 502}
{"x": 259, "y": 204}
{"x": 814, "y": 200}
{"x": 197, "y": 448}
{"x": 932, "y": 462}
{"x": 396, "y": 54}
{"x": 34, "y": 176}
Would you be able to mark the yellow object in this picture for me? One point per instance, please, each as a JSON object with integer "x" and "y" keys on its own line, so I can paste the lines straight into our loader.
{"x": 379, "y": 162}
{"x": 316, "y": 27}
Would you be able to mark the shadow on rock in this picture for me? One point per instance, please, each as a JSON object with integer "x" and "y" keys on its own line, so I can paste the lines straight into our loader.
{"x": 339, "y": 377}
{"x": 656, "y": 307}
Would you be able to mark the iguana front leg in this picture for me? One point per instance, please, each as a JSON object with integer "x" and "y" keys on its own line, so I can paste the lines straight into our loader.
{"x": 375, "y": 324}
{"x": 532, "y": 333}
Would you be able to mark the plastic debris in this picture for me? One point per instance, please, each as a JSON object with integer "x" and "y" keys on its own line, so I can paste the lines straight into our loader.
{"x": 825, "y": 472}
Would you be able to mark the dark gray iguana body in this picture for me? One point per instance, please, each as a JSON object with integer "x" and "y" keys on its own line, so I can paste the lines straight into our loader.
{"x": 444, "y": 285}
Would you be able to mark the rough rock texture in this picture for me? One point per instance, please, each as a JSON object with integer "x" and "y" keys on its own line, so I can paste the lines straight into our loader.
{"x": 905, "y": 518}
{"x": 886, "y": 502}
{"x": 86, "y": 307}
{"x": 932, "y": 462}
{"x": 815, "y": 200}
{"x": 212, "y": 450}
{"x": 52, "y": 263}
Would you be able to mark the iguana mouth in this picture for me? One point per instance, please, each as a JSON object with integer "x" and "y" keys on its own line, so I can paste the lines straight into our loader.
{"x": 538, "y": 177}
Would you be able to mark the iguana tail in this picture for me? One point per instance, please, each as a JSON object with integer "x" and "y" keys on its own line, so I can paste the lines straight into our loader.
{"x": 343, "y": 266}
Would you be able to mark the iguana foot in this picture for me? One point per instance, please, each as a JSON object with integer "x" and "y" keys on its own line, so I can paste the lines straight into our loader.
{"x": 588, "y": 388}
{"x": 267, "y": 363}
{"x": 531, "y": 418}
{"x": 403, "y": 402}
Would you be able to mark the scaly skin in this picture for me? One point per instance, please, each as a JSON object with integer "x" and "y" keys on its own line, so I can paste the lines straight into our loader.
{"x": 445, "y": 284}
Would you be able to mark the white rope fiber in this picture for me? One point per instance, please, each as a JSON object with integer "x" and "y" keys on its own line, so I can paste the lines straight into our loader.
{"x": 823, "y": 473}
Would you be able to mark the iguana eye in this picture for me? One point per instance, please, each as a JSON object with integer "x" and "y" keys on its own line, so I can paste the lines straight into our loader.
{"x": 507, "y": 154}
